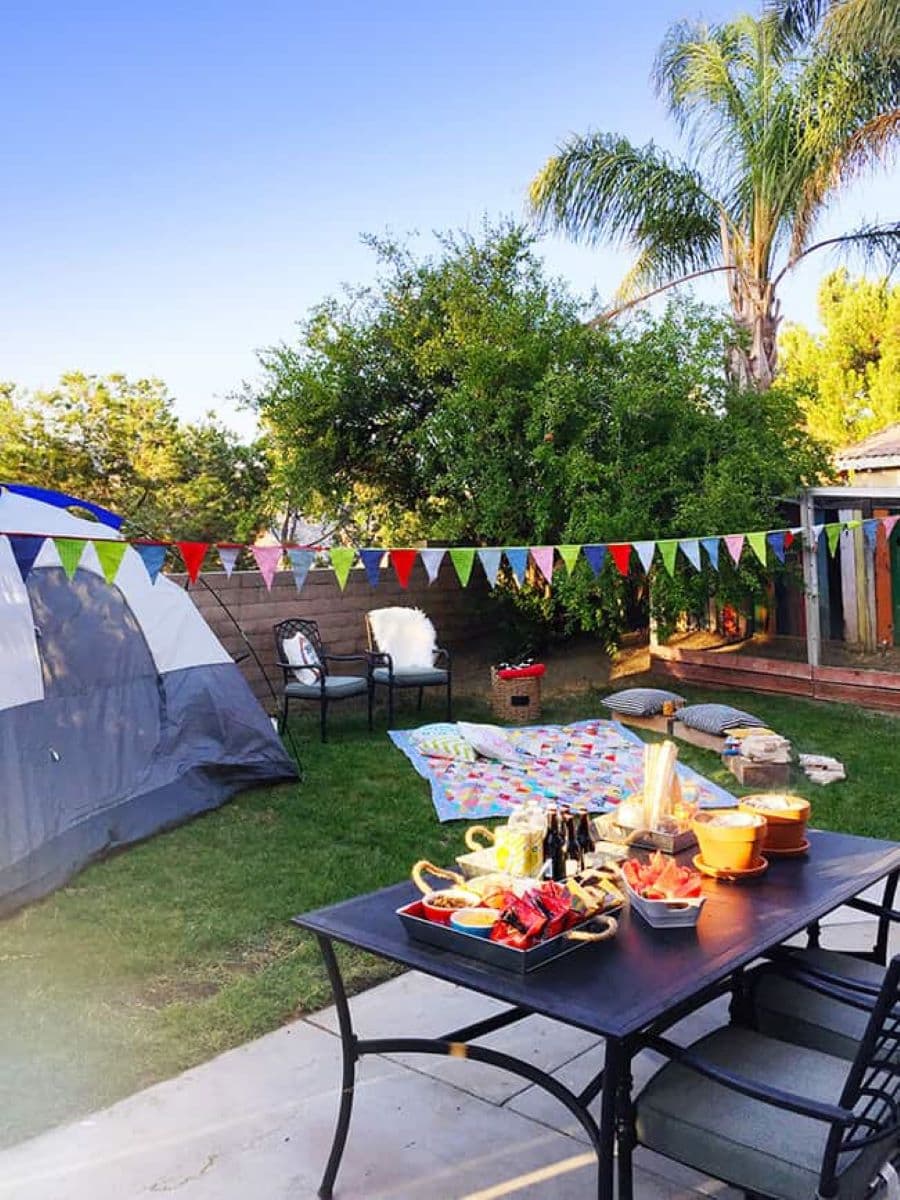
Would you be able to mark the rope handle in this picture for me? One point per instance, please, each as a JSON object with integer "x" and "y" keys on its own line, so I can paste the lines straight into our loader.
{"x": 583, "y": 935}
{"x": 474, "y": 832}
{"x": 424, "y": 867}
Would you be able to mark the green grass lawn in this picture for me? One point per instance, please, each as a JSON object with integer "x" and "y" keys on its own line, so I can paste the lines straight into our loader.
{"x": 181, "y": 947}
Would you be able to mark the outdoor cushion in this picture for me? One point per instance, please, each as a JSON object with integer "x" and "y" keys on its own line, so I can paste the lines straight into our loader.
{"x": 490, "y": 741}
{"x": 411, "y": 678}
{"x": 443, "y": 745}
{"x": 407, "y": 635}
{"x": 784, "y": 1008}
{"x": 300, "y": 652}
{"x": 742, "y": 1141}
{"x": 335, "y": 686}
{"x": 641, "y": 702}
{"x": 716, "y": 718}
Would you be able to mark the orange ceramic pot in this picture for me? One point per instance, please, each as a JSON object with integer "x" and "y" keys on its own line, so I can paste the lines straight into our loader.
{"x": 786, "y": 818}
{"x": 730, "y": 841}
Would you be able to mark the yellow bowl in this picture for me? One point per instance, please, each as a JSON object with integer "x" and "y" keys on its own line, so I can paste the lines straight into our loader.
{"x": 477, "y": 921}
{"x": 730, "y": 841}
{"x": 786, "y": 818}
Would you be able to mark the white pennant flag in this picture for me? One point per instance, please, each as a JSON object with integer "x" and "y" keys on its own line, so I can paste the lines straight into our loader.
{"x": 431, "y": 561}
{"x": 690, "y": 548}
{"x": 645, "y": 552}
{"x": 228, "y": 555}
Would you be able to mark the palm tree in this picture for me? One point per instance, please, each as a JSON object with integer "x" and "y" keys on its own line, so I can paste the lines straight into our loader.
{"x": 864, "y": 26}
{"x": 775, "y": 128}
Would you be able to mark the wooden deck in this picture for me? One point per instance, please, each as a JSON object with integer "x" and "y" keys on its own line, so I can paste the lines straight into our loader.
{"x": 724, "y": 668}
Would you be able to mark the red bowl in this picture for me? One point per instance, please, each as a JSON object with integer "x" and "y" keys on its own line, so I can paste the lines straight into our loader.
{"x": 440, "y": 914}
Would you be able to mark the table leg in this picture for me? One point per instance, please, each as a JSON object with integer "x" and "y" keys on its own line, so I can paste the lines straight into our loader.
{"x": 625, "y": 1130}
{"x": 615, "y": 1066}
{"x": 348, "y": 1076}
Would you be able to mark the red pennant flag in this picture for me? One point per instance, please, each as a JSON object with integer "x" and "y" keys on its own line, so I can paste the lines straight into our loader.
{"x": 402, "y": 562}
{"x": 621, "y": 556}
{"x": 788, "y": 539}
{"x": 193, "y": 554}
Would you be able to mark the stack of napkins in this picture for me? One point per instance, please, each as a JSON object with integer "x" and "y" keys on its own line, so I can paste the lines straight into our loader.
{"x": 766, "y": 747}
{"x": 822, "y": 769}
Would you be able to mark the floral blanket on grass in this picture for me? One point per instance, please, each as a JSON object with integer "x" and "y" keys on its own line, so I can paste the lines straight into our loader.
{"x": 596, "y": 763}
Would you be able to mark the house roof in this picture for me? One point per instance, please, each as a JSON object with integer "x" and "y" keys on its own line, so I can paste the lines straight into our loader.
{"x": 880, "y": 449}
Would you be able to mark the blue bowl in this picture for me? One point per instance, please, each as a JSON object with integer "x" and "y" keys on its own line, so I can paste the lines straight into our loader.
{"x": 477, "y": 922}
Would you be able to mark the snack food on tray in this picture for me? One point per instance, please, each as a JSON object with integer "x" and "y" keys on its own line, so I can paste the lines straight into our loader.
{"x": 661, "y": 878}
{"x": 544, "y": 912}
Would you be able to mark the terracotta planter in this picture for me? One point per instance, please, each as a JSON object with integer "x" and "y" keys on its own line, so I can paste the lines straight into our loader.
{"x": 786, "y": 818}
{"x": 730, "y": 841}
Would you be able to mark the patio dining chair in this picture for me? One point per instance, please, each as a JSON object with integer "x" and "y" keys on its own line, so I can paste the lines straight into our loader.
{"x": 403, "y": 653}
{"x": 779, "y": 1120}
{"x": 304, "y": 662}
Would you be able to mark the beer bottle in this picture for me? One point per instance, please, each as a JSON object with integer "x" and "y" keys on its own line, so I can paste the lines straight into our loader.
{"x": 573, "y": 850}
{"x": 555, "y": 847}
{"x": 585, "y": 839}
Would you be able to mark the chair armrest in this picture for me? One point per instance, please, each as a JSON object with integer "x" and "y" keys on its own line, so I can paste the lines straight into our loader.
{"x": 442, "y": 653}
{"x": 838, "y": 987}
{"x": 344, "y": 658}
{"x": 832, "y": 1114}
{"x": 377, "y": 658}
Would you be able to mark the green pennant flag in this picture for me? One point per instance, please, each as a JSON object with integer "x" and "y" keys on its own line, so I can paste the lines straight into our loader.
{"x": 342, "y": 560}
{"x": 853, "y": 524}
{"x": 758, "y": 545}
{"x": 569, "y": 555}
{"x": 69, "y": 551}
{"x": 668, "y": 549}
{"x": 462, "y": 558}
{"x": 110, "y": 556}
{"x": 833, "y": 533}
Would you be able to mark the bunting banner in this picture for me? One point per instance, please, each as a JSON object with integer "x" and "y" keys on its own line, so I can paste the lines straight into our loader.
{"x": 228, "y": 556}
{"x": 70, "y": 551}
{"x": 462, "y": 560}
{"x": 110, "y": 555}
{"x": 668, "y": 550}
{"x": 301, "y": 561}
{"x": 757, "y": 543}
{"x": 889, "y": 523}
{"x": 153, "y": 556}
{"x": 431, "y": 561}
{"x": 595, "y": 557}
{"x": 621, "y": 556}
{"x": 833, "y": 533}
{"x": 711, "y": 546}
{"x": 25, "y": 549}
{"x": 490, "y": 561}
{"x": 817, "y": 533}
{"x": 734, "y": 543}
{"x": 267, "y": 559}
{"x": 569, "y": 555}
{"x": 342, "y": 560}
{"x": 542, "y": 556}
{"x": 402, "y": 561}
{"x": 690, "y": 548}
{"x": 870, "y": 533}
{"x": 517, "y": 557}
{"x": 645, "y": 552}
{"x": 777, "y": 541}
{"x": 371, "y": 560}
{"x": 193, "y": 554}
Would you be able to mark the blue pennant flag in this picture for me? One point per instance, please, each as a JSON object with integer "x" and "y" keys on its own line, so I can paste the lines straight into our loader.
{"x": 776, "y": 541}
{"x": 517, "y": 557}
{"x": 870, "y": 532}
{"x": 596, "y": 556}
{"x": 25, "y": 547}
{"x": 371, "y": 560}
{"x": 711, "y": 546}
{"x": 301, "y": 561}
{"x": 490, "y": 560}
{"x": 153, "y": 558}
{"x": 690, "y": 548}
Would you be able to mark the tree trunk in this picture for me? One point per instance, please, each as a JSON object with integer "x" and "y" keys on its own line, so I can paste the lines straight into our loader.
{"x": 752, "y": 362}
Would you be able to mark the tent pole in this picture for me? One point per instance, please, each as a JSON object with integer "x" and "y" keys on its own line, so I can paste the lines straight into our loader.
{"x": 810, "y": 581}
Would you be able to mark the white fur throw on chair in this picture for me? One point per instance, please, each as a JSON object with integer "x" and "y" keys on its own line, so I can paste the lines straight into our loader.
{"x": 407, "y": 635}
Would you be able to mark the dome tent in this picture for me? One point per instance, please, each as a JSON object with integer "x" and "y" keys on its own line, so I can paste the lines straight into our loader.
{"x": 120, "y": 711}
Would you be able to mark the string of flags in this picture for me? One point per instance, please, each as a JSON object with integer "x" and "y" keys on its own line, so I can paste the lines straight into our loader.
{"x": 26, "y": 547}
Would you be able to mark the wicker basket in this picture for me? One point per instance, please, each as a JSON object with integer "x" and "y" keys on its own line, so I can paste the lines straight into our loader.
{"x": 516, "y": 701}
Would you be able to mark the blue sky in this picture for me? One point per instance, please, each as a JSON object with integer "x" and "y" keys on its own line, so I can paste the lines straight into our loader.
{"x": 182, "y": 182}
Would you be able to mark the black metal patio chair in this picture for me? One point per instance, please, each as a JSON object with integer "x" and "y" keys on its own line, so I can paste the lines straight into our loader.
{"x": 385, "y": 672}
{"x": 307, "y": 677}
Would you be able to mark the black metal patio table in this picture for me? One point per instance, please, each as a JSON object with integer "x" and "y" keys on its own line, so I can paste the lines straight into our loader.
{"x": 616, "y": 989}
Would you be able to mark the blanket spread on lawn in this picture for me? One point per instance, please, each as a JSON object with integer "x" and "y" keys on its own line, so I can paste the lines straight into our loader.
{"x": 596, "y": 763}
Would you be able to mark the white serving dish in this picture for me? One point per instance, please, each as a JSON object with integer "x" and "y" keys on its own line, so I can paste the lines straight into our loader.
{"x": 666, "y": 914}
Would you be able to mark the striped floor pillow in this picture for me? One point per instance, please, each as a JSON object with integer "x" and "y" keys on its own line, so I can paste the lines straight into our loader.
{"x": 641, "y": 702}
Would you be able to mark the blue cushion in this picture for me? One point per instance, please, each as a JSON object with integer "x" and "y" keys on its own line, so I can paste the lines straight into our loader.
{"x": 423, "y": 678}
{"x": 335, "y": 687}
{"x": 641, "y": 702}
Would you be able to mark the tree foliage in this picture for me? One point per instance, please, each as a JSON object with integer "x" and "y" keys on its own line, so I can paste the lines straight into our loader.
{"x": 848, "y": 376}
{"x": 118, "y": 443}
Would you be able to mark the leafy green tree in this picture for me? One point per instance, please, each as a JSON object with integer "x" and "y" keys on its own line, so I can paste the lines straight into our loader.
{"x": 775, "y": 129}
{"x": 848, "y": 376}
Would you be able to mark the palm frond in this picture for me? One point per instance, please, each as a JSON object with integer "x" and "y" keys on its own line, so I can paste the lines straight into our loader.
{"x": 850, "y": 26}
{"x": 875, "y": 246}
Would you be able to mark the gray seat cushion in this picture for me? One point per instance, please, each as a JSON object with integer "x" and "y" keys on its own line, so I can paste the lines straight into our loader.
{"x": 742, "y": 1141}
{"x": 424, "y": 678}
{"x": 336, "y": 686}
{"x": 787, "y": 1010}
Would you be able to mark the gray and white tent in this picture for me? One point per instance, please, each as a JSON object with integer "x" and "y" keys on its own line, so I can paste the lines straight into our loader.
{"x": 120, "y": 711}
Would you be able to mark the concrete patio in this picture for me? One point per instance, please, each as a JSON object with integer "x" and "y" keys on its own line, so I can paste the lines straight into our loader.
{"x": 256, "y": 1123}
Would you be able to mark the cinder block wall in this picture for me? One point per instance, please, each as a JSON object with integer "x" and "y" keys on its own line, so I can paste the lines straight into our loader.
{"x": 459, "y": 614}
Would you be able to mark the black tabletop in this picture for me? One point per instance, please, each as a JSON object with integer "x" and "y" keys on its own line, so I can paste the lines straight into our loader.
{"x": 617, "y": 987}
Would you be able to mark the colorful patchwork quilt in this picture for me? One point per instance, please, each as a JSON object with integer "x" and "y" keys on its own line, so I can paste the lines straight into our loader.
{"x": 595, "y": 763}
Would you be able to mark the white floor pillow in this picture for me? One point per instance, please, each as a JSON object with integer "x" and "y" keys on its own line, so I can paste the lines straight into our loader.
{"x": 407, "y": 635}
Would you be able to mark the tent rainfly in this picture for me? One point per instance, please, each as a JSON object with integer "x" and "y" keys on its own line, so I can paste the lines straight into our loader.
{"x": 120, "y": 711}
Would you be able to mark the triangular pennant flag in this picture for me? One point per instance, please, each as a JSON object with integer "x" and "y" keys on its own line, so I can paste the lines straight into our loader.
{"x": 490, "y": 560}
{"x": 757, "y": 542}
{"x": 854, "y": 524}
{"x": 228, "y": 556}
{"x": 267, "y": 559}
{"x": 569, "y": 555}
{"x": 776, "y": 540}
{"x": 110, "y": 556}
{"x": 431, "y": 561}
{"x": 735, "y": 544}
{"x": 595, "y": 555}
{"x": 517, "y": 557}
{"x": 301, "y": 561}
{"x": 816, "y": 532}
{"x": 153, "y": 557}
{"x": 25, "y": 547}
{"x": 193, "y": 554}
{"x": 690, "y": 548}
{"x": 462, "y": 558}
{"x": 402, "y": 561}
{"x": 371, "y": 560}
{"x": 621, "y": 556}
{"x": 543, "y": 560}
{"x": 668, "y": 552}
{"x": 69, "y": 551}
{"x": 870, "y": 532}
{"x": 789, "y": 535}
{"x": 645, "y": 552}
{"x": 833, "y": 533}
{"x": 889, "y": 523}
{"x": 342, "y": 560}
{"x": 711, "y": 546}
